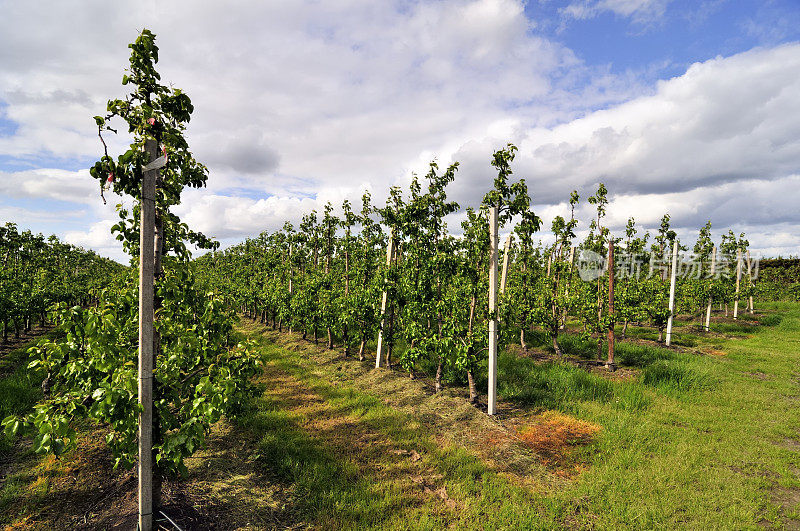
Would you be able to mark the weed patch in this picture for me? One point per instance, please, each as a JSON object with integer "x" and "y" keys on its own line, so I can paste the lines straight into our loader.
{"x": 550, "y": 385}
{"x": 675, "y": 375}
{"x": 576, "y": 345}
{"x": 638, "y": 355}
{"x": 772, "y": 319}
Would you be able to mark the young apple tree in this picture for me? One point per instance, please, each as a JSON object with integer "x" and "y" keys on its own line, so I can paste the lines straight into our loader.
{"x": 201, "y": 370}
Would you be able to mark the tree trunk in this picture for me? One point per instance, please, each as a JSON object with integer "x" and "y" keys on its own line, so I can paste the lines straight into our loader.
{"x": 522, "y": 339}
{"x": 390, "y": 338}
{"x": 473, "y": 390}
{"x": 625, "y": 329}
{"x": 361, "y": 350}
{"x": 439, "y": 376}
{"x": 556, "y": 346}
{"x": 330, "y": 339}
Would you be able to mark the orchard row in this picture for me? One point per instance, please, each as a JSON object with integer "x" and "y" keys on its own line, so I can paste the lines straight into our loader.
{"x": 396, "y": 273}
{"x": 37, "y": 272}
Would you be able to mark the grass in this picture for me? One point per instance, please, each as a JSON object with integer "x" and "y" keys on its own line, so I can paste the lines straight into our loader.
{"x": 639, "y": 355}
{"x": 367, "y": 464}
{"x": 19, "y": 391}
{"x": 688, "y": 440}
{"x": 674, "y": 375}
{"x": 575, "y": 345}
{"x": 701, "y": 436}
{"x": 19, "y": 388}
{"x": 549, "y": 384}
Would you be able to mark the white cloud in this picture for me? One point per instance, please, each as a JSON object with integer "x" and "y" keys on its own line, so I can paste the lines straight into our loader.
{"x": 25, "y": 218}
{"x": 100, "y": 239}
{"x": 97, "y": 237}
{"x": 225, "y": 217}
{"x": 757, "y": 207}
{"x": 304, "y": 102}
{"x": 69, "y": 199}
{"x": 289, "y": 94}
{"x": 51, "y": 183}
{"x": 640, "y": 11}
{"x": 725, "y": 120}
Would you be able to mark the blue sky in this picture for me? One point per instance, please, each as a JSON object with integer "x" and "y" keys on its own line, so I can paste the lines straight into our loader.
{"x": 687, "y": 32}
{"x": 678, "y": 106}
{"x": 7, "y": 127}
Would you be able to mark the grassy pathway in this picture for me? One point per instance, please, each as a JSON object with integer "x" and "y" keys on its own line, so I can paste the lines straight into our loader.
{"x": 708, "y": 441}
{"x": 354, "y": 460}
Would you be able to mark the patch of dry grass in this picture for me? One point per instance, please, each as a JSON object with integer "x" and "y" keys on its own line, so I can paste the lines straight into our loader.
{"x": 557, "y": 437}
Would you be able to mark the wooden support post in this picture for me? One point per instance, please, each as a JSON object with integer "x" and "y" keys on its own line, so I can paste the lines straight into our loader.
{"x": 738, "y": 281}
{"x": 384, "y": 301}
{"x": 750, "y": 282}
{"x": 673, "y": 275}
{"x": 713, "y": 272}
{"x": 610, "y": 361}
{"x": 492, "y": 407}
{"x": 506, "y": 253}
{"x": 146, "y": 342}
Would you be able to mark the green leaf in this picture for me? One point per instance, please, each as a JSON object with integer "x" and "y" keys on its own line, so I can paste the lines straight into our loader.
{"x": 11, "y": 426}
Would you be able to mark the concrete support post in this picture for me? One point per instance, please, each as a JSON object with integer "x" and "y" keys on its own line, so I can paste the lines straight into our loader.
{"x": 673, "y": 276}
{"x": 492, "y": 408}
{"x": 146, "y": 344}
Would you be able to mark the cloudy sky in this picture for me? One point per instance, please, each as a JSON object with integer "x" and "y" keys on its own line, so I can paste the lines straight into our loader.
{"x": 686, "y": 107}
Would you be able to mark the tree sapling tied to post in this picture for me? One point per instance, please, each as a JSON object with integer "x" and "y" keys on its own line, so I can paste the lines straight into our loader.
{"x": 200, "y": 370}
